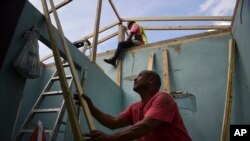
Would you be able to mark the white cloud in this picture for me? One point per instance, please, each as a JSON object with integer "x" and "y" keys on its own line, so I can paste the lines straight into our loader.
{"x": 206, "y": 5}
{"x": 217, "y": 7}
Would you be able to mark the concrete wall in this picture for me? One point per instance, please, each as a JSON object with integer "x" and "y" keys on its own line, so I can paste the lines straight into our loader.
{"x": 104, "y": 92}
{"x": 198, "y": 67}
{"x": 241, "y": 33}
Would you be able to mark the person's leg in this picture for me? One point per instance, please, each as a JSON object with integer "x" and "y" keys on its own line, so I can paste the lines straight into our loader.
{"x": 120, "y": 49}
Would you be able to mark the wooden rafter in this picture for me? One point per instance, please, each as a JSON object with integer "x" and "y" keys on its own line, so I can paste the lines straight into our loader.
{"x": 166, "y": 85}
{"x": 151, "y": 61}
{"x": 181, "y": 18}
{"x": 229, "y": 91}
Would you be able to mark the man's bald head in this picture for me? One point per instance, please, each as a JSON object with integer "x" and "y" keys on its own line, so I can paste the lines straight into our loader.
{"x": 156, "y": 77}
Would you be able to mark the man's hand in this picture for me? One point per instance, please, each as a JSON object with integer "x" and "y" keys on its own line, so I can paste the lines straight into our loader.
{"x": 97, "y": 135}
{"x": 87, "y": 99}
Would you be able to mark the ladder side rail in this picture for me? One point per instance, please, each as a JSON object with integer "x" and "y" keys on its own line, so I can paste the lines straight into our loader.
{"x": 83, "y": 103}
{"x": 30, "y": 115}
{"x": 59, "y": 117}
{"x": 64, "y": 85}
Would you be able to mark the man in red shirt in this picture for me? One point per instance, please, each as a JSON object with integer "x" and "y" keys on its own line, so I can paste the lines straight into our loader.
{"x": 154, "y": 118}
{"x": 140, "y": 38}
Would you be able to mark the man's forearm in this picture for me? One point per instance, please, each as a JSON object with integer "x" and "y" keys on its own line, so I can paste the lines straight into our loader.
{"x": 132, "y": 133}
{"x": 104, "y": 119}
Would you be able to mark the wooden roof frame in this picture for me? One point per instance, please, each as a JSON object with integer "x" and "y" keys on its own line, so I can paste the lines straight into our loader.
{"x": 121, "y": 20}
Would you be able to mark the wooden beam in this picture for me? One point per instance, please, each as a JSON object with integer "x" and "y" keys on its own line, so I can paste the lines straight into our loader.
{"x": 121, "y": 37}
{"x": 96, "y": 30}
{"x": 119, "y": 72}
{"x": 61, "y": 4}
{"x": 181, "y": 18}
{"x": 63, "y": 82}
{"x": 116, "y": 12}
{"x": 237, "y": 5}
{"x": 229, "y": 91}
{"x": 74, "y": 73}
{"x": 46, "y": 57}
{"x": 166, "y": 84}
{"x": 108, "y": 37}
{"x": 100, "y": 31}
{"x": 100, "y": 41}
{"x": 151, "y": 61}
{"x": 204, "y": 27}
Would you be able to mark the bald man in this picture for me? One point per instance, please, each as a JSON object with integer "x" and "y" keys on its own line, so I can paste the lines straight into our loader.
{"x": 155, "y": 117}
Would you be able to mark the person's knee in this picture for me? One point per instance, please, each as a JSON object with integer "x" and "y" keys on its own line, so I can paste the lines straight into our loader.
{"x": 122, "y": 44}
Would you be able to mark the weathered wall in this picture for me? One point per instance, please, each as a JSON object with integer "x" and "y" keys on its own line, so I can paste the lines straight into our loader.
{"x": 199, "y": 67}
{"x": 241, "y": 33}
{"x": 104, "y": 92}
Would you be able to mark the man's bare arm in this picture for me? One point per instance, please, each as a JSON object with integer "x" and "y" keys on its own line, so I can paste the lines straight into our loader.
{"x": 107, "y": 120}
{"x": 138, "y": 130}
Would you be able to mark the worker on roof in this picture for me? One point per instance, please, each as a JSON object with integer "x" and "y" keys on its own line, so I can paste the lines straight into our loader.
{"x": 140, "y": 38}
{"x": 155, "y": 117}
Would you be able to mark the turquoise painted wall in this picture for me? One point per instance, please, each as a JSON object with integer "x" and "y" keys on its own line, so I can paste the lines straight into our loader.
{"x": 241, "y": 33}
{"x": 198, "y": 67}
{"x": 11, "y": 84}
{"x": 32, "y": 90}
{"x": 104, "y": 92}
{"x": 201, "y": 68}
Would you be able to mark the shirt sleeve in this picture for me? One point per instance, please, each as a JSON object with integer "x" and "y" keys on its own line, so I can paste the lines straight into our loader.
{"x": 163, "y": 108}
{"x": 127, "y": 113}
{"x": 135, "y": 28}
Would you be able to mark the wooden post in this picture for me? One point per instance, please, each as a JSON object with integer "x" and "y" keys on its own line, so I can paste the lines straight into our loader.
{"x": 96, "y": 31}
{"x": 83, "y": 103}
{"x": 151, "y": 61}
{"x": 121, "y": 37}
{"x": 166, "y": 85}
{"x": 63, "y": 82}
{"x": 229, "y": 91}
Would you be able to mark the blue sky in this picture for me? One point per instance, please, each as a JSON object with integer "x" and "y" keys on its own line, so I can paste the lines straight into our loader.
{"x": 78, "y": 17}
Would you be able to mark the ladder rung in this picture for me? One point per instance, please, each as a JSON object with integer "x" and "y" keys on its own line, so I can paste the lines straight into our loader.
{"x": 50, "y": 110}
{"x": 47, "y": 131}
{"x": 57, "y": 78}
{"x": 65, "y": 64}
{"x": 52, "y": 93}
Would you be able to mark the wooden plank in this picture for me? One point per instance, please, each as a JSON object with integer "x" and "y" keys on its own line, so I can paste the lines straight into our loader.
{"x": 121, "y": 37}
{"x": 237, "y": 5}
{"x": 46, "y": 57}
{"x": 151, "y": 61}
{"x": 74, "y": 73}
{"x": 201, "y": 27}
{"x": 63, "y": 82}
{"x": 166, "y": 85}
{"x": 100, "y": 31}
{"x": 116, "y": 13}
{"x": 61, "y": 4}
{"x": 181, "y": 18}
{"x": 96, "y": 30}
{"x": 174, "y": 41}
{"x": 229, "y": 91}
{"x": 119, "y": 72}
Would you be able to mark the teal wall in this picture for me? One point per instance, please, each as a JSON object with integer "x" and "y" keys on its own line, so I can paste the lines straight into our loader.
{"x": 104, "y": 92}
{"x": 198, "y": 67}
{"x": 32, "y": 90}
{"x": 241, "y": 33}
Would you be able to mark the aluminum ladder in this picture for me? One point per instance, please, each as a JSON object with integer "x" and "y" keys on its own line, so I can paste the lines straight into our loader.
{"x": 54, "y": 111}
